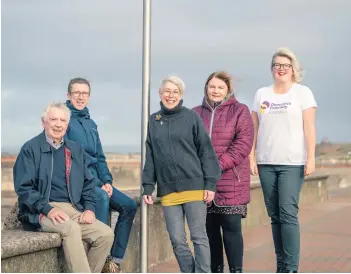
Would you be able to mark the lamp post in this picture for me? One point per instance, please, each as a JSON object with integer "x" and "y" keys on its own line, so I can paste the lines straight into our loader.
{"x": 144, "y": 125}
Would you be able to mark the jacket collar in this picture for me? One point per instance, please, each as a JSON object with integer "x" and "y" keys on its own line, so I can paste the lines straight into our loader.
{"x": 230, "y": 101}
{"x": 84, "y": 113}
{"x": 169, "y": 112}
{"x": 46, "y": 147}
{"x": 52, "y": 143}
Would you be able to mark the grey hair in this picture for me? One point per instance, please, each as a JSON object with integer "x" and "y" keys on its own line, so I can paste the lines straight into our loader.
{"x": 297, "y": 70}
{"x": 174, "y": 80}
{"x": 58, "y": 105}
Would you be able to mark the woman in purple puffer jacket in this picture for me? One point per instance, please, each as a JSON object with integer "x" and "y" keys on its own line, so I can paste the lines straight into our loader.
{"x": 230, "y": 127}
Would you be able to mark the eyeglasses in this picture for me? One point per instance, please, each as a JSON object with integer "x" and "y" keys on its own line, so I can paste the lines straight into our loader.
{"x": 79, "y": 93}
{"x": 170, "y": 92}
{"x": 284, "y": 66}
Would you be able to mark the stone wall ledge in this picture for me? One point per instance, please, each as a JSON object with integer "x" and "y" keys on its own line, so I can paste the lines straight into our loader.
{"x": 17, "y": 242}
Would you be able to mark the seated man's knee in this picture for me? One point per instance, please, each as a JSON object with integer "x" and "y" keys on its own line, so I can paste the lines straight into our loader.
{"x": 131, "y": 208}
{"x": 102, "y": 199}
{"x": 105, "y": 233}
{"x": 109, "y": 235}
{"x": 127, "y": 208}
{"x": 71, "y": 229}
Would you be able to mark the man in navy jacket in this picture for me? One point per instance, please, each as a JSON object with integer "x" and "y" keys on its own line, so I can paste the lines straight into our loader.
{"x": 82, "y": 129}
{"x": 56, "y": 193}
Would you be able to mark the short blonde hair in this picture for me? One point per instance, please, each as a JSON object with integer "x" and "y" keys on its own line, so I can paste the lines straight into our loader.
{"x": 58, "y": 105}
{"x": 174, "y": 80}
{"x": 297, "y": 70}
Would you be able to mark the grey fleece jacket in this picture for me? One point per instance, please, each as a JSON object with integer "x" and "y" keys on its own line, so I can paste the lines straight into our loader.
{"x": 179, "y": 153}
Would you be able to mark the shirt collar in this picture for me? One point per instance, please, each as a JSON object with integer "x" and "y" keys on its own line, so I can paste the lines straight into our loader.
{"x": 52, "y": 143}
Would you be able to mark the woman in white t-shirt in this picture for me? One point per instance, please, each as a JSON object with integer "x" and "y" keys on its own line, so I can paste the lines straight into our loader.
{"x": 284, "y": 151}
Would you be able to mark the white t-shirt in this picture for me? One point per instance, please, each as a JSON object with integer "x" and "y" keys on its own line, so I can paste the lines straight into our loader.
{"x": 280, "y": 139}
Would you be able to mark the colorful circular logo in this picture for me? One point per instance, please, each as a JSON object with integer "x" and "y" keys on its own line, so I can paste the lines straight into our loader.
{"x": 265, "y": 105}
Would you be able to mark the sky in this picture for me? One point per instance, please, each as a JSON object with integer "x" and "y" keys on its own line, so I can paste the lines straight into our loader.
{"x": 46, "y": 43}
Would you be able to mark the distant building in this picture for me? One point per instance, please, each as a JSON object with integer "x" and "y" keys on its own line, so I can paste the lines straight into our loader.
{"x": 329, "y": 154}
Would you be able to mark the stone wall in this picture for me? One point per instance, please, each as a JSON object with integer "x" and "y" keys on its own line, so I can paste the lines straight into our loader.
{"x": 6, "y": 178}
{"x": 21, "y": 250}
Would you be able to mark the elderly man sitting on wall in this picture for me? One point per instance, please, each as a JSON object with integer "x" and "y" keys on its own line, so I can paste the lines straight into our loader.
{"x": 56, "y": 193}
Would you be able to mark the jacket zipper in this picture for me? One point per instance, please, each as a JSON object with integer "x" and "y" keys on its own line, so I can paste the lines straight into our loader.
{"x": 69, "y": 194}
{"x": 210, "y": 134}
{"x": 52, "y": 169}
{"x": 236, "y": 173}
{"x": 234, "y": 169}
{"x": 211, "y": 124}
{"x": 169, "y": 140}
{"x": 212, "y": 118}
{"x": 86, "y": 133}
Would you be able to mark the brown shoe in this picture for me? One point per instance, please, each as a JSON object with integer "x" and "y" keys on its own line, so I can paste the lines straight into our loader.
{"x": 111, "y": 267}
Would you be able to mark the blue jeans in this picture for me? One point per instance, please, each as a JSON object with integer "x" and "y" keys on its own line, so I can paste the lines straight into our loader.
{"x": 281, "y": 185}
{"x": 195, "y": 213}
{"x": 126, "y": 208}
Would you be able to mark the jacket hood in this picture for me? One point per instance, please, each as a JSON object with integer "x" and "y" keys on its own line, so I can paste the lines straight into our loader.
{"x": 231, "y": 100}
{"x": 84, "y": 113}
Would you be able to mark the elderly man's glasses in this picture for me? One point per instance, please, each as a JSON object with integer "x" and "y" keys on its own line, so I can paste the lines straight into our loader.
{"x": 284, "y": 66}
{"x": 79, "y": 93}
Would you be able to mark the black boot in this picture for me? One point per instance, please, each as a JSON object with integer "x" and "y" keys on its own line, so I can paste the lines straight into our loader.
{"x": 217, "y": 269}
{"x": 235, "y": 270}
{"x": 281, "y": 270}
{"x": 290, "y": 271}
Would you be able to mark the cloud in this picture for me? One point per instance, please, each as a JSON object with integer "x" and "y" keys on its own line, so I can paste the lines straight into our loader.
{"x": 56, "y": 41}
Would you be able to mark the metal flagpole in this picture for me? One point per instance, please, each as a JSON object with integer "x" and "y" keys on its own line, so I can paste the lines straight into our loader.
{"x": 144, "y": 125}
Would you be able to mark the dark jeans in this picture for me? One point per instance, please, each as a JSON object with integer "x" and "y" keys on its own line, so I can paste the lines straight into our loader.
{"x": 281, "y": 185}
{"x": 232, "y": 238}
{"x": 126, "y": 208}
{"x": 195, "y": 213}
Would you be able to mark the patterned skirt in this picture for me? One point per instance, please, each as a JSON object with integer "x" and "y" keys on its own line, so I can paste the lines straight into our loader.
{"x": 237, "y": 209}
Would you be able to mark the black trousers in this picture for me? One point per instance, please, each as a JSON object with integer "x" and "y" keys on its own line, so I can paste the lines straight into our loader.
{"x": 232, "y": 239}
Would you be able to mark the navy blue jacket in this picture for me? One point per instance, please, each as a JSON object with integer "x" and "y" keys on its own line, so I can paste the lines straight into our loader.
{"x": 32, "y": 175}
{"x": 83, "y": 130}
{"x": 179, "y": 153}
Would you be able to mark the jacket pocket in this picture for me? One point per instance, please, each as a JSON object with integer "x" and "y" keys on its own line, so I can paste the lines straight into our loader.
{"x": 236, "y": 174}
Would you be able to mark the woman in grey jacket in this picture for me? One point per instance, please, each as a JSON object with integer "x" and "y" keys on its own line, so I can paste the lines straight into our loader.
{"x": 181, "y": 158}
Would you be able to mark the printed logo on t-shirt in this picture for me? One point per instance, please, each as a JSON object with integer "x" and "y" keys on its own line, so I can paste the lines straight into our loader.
{"x": 274, "y": 108}
{"x": 264, "y": 106}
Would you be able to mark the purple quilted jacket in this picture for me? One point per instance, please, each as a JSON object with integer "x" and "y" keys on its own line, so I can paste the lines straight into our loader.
{"x": 231, "y": 130}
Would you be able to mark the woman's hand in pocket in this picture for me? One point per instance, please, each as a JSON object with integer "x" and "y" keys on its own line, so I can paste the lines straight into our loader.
{"x": 209, "y": 195}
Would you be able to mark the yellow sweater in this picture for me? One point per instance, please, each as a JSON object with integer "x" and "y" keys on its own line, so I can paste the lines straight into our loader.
{"x": 178, "y": 198}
